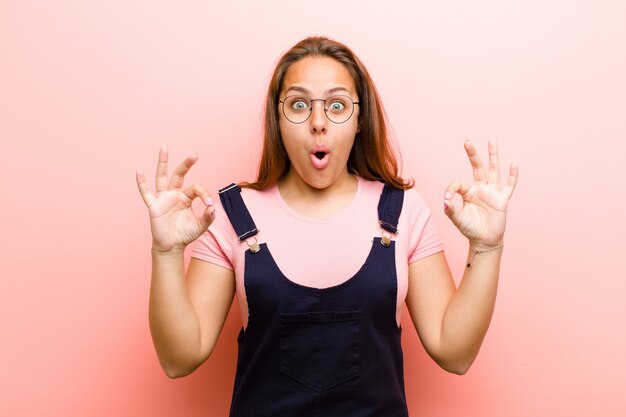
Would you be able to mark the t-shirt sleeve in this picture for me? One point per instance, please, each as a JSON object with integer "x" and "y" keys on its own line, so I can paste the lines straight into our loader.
{"x": 424, "y": 239}
{"x": 215, "y": 244}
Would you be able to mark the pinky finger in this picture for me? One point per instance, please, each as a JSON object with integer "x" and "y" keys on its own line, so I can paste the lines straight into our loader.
{"x": 147, "y": 196}
{"x": 510, "y": 187}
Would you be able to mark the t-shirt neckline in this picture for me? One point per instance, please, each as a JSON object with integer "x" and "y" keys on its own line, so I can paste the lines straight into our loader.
{"x": 293, "y": 213}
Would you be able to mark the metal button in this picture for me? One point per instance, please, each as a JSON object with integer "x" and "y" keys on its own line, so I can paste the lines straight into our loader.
{"x": 254, "y": 247}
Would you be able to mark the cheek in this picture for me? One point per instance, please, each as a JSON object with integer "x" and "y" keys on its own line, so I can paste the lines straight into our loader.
{"x": 290, "y": 137}
{"x": 350, "y": 134}
{"x": 349, "y": 145}
{"x": 283, "y": 126}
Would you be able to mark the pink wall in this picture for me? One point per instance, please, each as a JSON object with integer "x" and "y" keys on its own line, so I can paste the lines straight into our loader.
{"x": 90, "y": 89}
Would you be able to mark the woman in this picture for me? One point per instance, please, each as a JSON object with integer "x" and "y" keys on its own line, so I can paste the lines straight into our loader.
{"x": 350, "y": 242}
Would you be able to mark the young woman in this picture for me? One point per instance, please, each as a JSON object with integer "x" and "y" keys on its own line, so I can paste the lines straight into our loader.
{"x": 322, "y": 251}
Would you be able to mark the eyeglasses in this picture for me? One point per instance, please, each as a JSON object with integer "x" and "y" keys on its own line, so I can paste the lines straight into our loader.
{"x": 338, "y": 109}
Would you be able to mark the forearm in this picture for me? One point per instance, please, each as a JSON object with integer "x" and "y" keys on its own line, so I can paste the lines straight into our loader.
{"x": 174, "y": 323}
{"x": 469, "y": 312}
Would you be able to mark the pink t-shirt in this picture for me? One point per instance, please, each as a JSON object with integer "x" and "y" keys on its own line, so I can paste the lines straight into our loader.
{"x": 320, "y": 252}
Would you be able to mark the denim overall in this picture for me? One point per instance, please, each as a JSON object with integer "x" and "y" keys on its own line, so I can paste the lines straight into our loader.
{"x": 310, "y": 352}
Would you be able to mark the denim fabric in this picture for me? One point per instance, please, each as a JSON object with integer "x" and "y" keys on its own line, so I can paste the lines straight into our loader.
{"x": 311, "y": 352}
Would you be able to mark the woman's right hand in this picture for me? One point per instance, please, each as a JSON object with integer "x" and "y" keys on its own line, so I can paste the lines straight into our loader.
{"x": 172, "y": 220}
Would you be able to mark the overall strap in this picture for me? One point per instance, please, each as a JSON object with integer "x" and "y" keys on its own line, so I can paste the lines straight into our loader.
{"x": 237, "y": 212}
{"x": 389, "y": 208}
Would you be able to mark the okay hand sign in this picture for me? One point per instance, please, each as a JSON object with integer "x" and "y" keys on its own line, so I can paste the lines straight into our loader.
{"x": 482, "y": 219}
{"x": 172, "y": 220}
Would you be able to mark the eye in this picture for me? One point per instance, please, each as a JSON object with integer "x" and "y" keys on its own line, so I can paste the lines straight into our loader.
{"x": 337, "y": 105}
{"x": 299, "y": 104}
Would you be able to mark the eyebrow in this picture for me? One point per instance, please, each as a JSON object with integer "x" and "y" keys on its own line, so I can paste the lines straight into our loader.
{"x": 306, "y": 91}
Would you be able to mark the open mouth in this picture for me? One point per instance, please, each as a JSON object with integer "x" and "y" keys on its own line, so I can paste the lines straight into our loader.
{"x": 320, "y": 158}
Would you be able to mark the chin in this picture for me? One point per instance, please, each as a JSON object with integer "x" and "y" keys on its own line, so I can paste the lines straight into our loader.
{"x": 319, "y": 181}
{"x": 316, "y": 179}
{"x": 319, "y": 184}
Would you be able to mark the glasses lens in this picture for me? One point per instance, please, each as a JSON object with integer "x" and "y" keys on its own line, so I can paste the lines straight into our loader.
{"x": 296, "y": 109}
{"x": 339, "y": 108}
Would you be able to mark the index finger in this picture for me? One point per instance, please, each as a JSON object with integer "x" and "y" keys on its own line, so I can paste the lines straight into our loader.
{"x": 179, "y": 174}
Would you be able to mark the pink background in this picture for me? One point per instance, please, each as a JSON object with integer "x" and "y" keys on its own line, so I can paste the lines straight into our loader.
{"x": 90, "y": 89}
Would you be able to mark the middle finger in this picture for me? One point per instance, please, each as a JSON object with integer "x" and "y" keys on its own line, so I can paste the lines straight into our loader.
{"x": 477, "y": 163}
{"x": 161, "y": 171}
{"x": 494, "y": 164}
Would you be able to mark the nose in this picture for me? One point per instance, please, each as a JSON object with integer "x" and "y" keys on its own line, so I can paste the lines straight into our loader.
{"x": 318, "y": 117}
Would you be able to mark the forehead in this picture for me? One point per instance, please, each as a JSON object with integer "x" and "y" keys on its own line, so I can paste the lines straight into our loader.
{"x": 318, "y": 75}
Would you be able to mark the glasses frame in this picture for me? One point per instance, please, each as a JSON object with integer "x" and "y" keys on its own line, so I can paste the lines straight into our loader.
{"x": 325, "y": 108}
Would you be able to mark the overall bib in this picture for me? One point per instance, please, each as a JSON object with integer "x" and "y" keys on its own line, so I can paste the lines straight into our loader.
{"x": 310, "y": 352}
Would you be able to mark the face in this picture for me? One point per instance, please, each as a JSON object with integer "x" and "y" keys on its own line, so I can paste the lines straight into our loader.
{"x": 318, "y": 148}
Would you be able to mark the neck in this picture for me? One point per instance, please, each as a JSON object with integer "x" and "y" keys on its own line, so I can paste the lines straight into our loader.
{"x": 317, "y": 202}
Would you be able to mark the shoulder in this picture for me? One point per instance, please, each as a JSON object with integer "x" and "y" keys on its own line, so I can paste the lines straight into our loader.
{"x": 416, "y": 213}
{"x": 254, "y": 195}
{"x": 250, "y": 196}
{"x": 414, "y": 200}
{"x": 370, "y": 186}
{"x": 221, "y": 233}
{"x": 261, "y": 202}
{"x": 369, "y": 192}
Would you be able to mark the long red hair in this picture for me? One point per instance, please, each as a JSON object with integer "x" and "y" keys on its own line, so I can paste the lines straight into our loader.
{"x": 372, "y": 156}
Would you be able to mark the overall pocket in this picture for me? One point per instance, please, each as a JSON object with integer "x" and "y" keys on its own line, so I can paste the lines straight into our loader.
{"x": 320, "y": 349}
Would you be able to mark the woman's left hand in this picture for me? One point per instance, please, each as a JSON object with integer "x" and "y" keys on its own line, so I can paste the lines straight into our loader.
{"x": 483, "y": 216}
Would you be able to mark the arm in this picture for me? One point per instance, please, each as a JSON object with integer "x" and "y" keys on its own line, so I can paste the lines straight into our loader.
{"x": 452, "y": 322}
{"x": 186, "y": 314}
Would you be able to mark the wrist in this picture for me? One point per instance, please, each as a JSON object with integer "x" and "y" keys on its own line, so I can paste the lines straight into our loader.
{"x": 476, "y": 245}
{"x": 487, "y": 250}
{"x": 175, "y": 251}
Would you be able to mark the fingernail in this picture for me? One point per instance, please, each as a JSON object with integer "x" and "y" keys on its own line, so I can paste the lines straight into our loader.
{"x": 447, "y": 195}
{"x": 209, "y": 202}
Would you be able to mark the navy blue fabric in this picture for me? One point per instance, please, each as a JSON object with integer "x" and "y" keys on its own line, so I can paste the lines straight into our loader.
{"x": 389, "y": 208}
{"x": 309, "y": 352}
{"x": 238, "y": 214}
